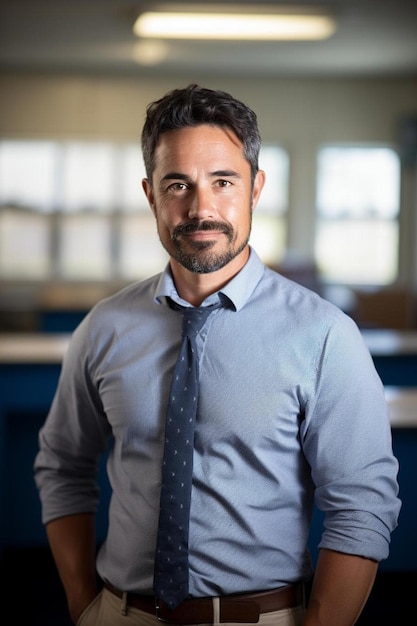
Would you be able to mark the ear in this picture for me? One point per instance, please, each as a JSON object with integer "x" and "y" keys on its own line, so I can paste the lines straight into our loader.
{"x": 147, "y": 188}
{"x": 258, "y": 185}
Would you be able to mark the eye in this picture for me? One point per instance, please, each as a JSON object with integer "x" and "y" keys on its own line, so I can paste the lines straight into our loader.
{"x": 224, "y": 183}
{"x": 177, "y": 187}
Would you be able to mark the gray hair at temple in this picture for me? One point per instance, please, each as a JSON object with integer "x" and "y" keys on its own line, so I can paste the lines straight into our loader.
{"x": 193, "y": 106}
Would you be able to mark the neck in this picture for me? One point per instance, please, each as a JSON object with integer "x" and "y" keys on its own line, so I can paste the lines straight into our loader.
{"x": 195, "y": 288}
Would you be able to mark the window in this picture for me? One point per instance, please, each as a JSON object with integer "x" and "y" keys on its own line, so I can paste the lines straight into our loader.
{"x": 27, "y": 174}
{"x": 24, "y": 245}
{"x": 358, "y": 200}
{"x": 76, "y": 211}
{"x": 269, "y": 224}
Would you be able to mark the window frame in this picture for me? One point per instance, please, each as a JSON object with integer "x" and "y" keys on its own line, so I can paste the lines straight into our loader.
{"x": 326, "y": 278}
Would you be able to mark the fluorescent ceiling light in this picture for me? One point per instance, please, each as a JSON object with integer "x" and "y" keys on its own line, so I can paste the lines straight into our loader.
{"x": 233, "y": 26}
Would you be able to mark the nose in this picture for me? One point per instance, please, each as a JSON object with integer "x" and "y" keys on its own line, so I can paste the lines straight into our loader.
{"x": 201, "y": 204}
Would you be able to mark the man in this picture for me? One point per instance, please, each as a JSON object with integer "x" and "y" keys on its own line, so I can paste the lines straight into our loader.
{"x": 290, "y": 411}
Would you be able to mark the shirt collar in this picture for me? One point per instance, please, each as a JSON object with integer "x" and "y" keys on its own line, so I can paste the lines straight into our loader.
{"x": 237, "y": 291}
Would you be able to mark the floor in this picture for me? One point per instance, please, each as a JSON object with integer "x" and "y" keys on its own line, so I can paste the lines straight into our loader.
{"x": 31, "y": 585}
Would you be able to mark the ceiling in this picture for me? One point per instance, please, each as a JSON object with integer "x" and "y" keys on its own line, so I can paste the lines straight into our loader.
{"x": 374, "y": 38}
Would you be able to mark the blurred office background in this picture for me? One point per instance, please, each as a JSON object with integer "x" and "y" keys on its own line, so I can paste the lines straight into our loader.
{"x": 338, "y": 118}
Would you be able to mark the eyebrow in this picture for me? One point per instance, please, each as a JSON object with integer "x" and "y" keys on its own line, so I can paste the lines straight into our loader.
{"x": 226, "y": 173}
{"x": 186, "y": 178}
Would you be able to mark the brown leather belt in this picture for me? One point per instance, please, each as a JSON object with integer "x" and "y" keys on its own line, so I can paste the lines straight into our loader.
{"x": 243, "y": 608}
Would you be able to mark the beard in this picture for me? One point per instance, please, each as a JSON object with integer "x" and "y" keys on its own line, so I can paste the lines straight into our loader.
{"x": 204, "y": 259}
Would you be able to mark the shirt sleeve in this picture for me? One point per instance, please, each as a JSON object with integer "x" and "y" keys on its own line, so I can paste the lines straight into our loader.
{"x": 347, "y": 441}
{"x": 73, "y": 437}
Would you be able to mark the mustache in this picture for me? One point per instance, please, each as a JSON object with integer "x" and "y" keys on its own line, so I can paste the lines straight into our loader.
{"x": 192, "y": 227}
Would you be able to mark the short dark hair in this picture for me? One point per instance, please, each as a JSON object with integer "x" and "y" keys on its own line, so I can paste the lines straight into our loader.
{"x": 193, "y": 106}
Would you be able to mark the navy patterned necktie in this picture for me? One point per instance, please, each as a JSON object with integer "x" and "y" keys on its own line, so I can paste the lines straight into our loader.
{"x": 171, "y": 558}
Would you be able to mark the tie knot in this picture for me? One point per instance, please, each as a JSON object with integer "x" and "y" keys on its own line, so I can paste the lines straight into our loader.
{"x": 194, "y": 319}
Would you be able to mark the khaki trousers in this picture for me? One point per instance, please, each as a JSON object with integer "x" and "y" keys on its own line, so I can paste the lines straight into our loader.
{"x": 107, "y": 610}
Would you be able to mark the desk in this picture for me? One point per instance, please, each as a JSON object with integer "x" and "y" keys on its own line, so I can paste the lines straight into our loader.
{"x": 394, "y": 354}
{"x": 390, "y": 342}
{"x": 33, "y": 348}
{"x": 402, "y": 402}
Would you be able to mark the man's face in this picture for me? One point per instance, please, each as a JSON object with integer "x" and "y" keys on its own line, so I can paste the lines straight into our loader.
{"x": 202, "y": 197}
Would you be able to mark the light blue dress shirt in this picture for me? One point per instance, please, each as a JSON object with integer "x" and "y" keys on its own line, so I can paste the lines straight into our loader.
{"x": 291, "y": 411}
